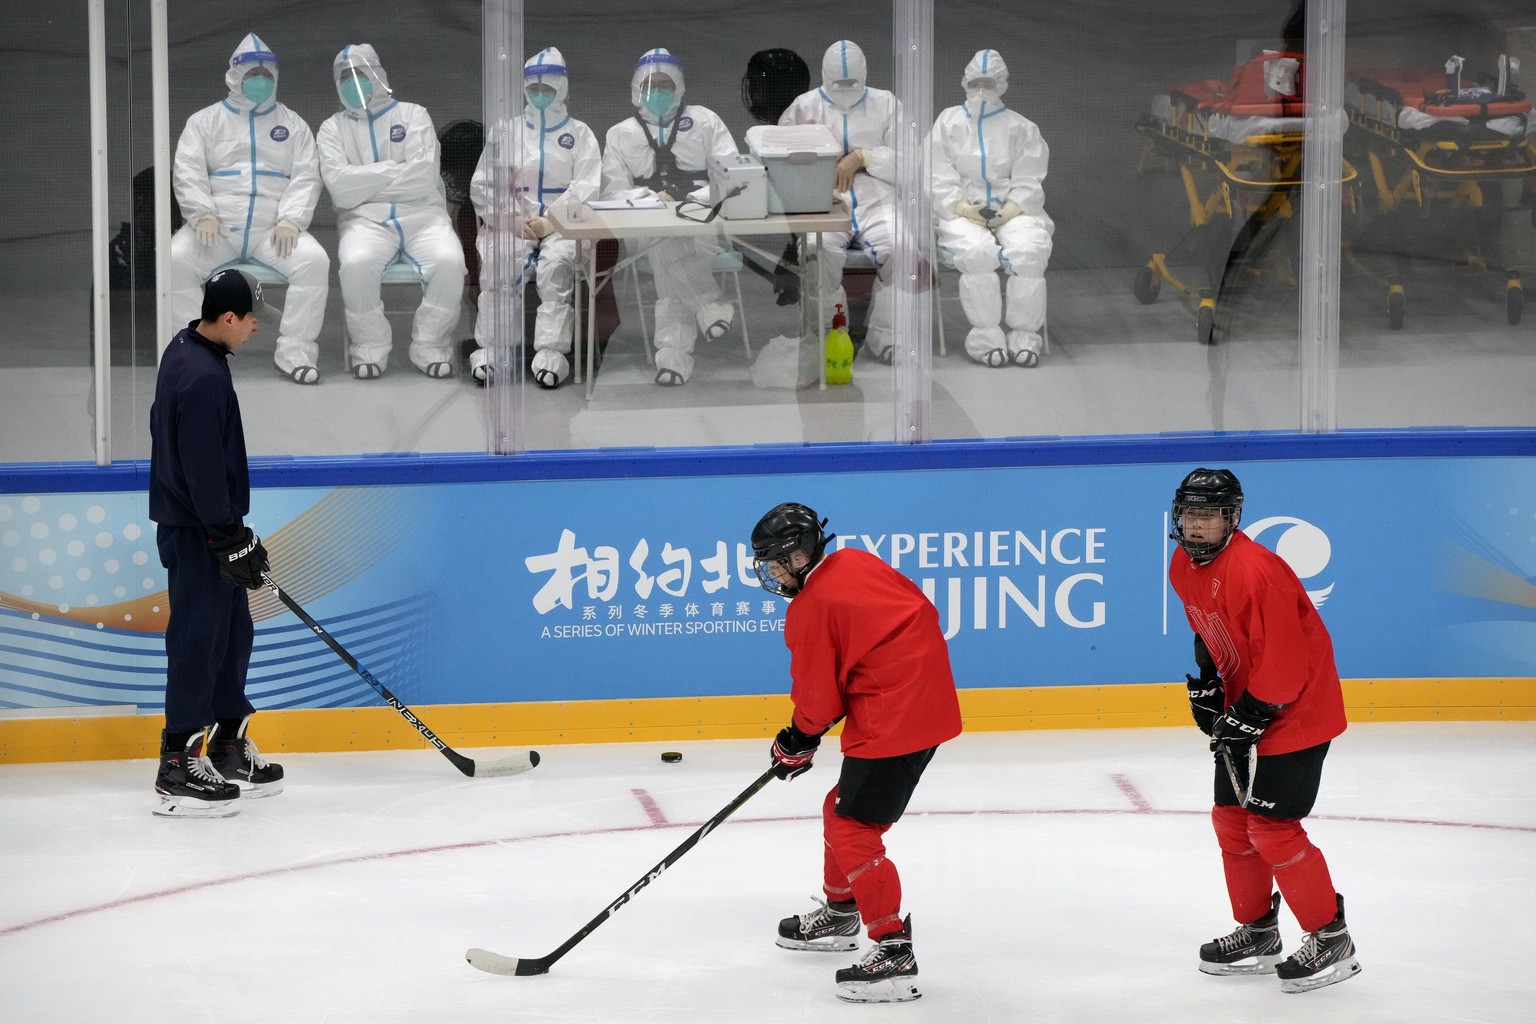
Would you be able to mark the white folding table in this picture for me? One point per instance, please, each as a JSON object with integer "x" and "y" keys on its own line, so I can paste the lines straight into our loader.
{"x": 592, "y": 226}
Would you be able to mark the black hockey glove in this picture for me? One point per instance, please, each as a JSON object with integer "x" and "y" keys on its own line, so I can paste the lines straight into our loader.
{"x": 1242, "y": 725}
{"x": 792, "y": 751}
{"x": 241, "y": 558}
{"x": 1204, "y": 702}
{"x": 1205, "y": 693}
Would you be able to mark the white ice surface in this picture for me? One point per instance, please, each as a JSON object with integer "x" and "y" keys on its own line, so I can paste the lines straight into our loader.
{"x": 1051, "y": 876}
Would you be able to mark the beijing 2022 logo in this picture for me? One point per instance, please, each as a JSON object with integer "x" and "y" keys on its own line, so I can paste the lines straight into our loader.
{"x": 1305, "y": 548}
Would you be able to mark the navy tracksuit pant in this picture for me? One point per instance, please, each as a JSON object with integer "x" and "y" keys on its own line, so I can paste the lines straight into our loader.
{"x": 208, "y": 638}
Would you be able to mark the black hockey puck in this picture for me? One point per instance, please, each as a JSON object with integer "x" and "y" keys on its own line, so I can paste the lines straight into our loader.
{"x": 671, "y": 756}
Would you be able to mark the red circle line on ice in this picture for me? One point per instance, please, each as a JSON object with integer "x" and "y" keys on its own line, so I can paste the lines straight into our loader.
{"x": 1140, "y": 808}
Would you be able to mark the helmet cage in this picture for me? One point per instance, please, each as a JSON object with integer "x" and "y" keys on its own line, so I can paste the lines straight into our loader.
{"x": 787, "y": 530}
{"x": 1209, "y": 491}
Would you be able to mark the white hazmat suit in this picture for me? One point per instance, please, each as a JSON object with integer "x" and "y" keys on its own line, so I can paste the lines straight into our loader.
{"x": 247, "y": 181}
{"x": 379, "y": 159}
{"x": 989, "y": 164}
{"x": 863, "y": 121}
{"x": 688, "y": 295}
{"x": 555, "y": 158}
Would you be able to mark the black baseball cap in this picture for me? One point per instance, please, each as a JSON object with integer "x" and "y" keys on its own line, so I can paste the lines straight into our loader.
{"x": 235, "y": 291}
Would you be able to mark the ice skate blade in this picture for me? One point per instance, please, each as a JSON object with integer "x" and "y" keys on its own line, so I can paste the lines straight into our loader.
{"x": 834, "y": 944}
{"x": 257, "y": 790}
{"x": 1259, "y": 965}
{"x": 1341, "y": 971}
{"x": 886, "y": 990}
{"x": 192, "y": 807}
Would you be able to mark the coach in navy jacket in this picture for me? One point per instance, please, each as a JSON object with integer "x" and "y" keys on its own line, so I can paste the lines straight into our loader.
{"x": 199, "y": 495}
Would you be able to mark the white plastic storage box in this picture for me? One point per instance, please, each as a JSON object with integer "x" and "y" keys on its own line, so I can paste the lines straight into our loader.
{"x": 801, "y": 161}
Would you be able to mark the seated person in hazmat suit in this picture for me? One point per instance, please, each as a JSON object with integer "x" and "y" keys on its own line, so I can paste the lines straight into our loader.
{"x": 664, "y": 151}
{"x": 989, "y": 163}
{"x": 863, "y": 120}
{"x": 247, "y": 180}
{"x": 379, "y": 159}
{"x": 553, "y": 158}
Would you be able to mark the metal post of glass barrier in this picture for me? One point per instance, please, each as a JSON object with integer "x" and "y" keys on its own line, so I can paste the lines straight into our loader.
{"x": 499, "y": 279}
{"x": 912, "y": 279}
{"x": 1321, "y": 204}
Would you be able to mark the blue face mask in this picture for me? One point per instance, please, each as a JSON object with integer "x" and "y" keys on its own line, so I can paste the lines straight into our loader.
{"x": 356, "y": 92}
{"x": 658, "y": 101}
{"x": 541, "y": 100}
{"x": 258, "y": 88}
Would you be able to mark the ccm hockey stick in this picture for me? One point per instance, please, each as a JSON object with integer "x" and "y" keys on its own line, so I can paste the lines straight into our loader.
{"x": 505, "y": 766}
{"x": 1237, "y": 789}
{"x": 495, "y": 963}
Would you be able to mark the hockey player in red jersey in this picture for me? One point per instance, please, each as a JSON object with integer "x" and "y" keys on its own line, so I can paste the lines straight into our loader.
{"x": 1268, "y": 696}
{"x": 865, "y": 649}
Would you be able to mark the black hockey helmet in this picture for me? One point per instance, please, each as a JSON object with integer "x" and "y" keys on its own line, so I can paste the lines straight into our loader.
{"x": 1212, "y": 490}
{"x": 787, "y": 530}
{"x": 772, "y": 81}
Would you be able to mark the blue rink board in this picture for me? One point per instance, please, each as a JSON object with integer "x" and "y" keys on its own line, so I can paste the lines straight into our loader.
{"x": 570, "y": 589}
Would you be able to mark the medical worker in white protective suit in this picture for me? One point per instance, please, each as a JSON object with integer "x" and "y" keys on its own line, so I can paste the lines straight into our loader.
{"x": 664, "y": 150}
{"x": 863, "y": 120}
{"x": 989, "y": 164}
{"x": 379, "y": 159}
{"x": 555, "y": 158}
{"x": 247, "y": 181}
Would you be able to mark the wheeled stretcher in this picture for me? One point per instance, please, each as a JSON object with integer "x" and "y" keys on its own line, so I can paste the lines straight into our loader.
{"x": 1237, "y": 147}
{"x": 1438, "y": 146}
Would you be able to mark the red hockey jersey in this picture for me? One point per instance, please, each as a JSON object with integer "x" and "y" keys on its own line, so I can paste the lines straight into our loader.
{"x": 1265, "y": 637}
{"x": 865, "y": 646}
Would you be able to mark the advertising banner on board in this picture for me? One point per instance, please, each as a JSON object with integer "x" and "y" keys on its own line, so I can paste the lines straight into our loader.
{"x": 575, "y": 590}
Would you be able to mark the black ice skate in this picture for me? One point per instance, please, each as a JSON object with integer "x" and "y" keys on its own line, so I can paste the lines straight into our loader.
{"x": 1253, "y": 949}
{"x": 833, "y": 927}
{"x": 238, "y": 760}
{"x": 190, "y": 786}
{"x": 1326, "y": 957}
{"x": 887, "y": 974}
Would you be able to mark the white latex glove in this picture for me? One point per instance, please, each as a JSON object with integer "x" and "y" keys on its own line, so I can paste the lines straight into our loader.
{"x": 847, "y": 167}
{"x": 538, "y": 227}
{"x": 970, "y": 211}
{"x": 1009, "y": 211}
{"x": 284, "y": 235}
{"x": 207, "y": 227}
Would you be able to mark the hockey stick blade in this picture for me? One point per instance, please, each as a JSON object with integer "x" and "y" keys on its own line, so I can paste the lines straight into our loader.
{"x": 515, "y": 765}
{"x": 495, "y": 963}
{"x": 506, "y": 766}
{"x": 508, "y": 966}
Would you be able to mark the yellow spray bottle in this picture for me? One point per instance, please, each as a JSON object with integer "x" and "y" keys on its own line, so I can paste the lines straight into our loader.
{"x": 839, "y": 350}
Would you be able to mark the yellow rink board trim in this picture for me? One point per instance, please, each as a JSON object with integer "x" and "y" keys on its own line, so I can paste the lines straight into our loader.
{"x": 471, "y": 726}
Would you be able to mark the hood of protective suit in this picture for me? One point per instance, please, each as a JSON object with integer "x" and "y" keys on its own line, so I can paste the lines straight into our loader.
{"x": 843, "y": 60}
{"x": 657, "y": 61}
{"x": 251, "y": 53}
{"x": 987, "y": 64}
{"x": 362, "y": 57}
{"x": 547, "y": 67}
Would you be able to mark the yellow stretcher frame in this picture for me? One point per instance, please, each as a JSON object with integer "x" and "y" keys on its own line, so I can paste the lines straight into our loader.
{"x": 1401, "y": 164}
{"x": 1254, "y": 177}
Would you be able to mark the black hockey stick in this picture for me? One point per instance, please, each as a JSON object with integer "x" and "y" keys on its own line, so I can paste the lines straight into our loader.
{"x": 506, "y": 766}
{"x": 1237, "y": 789}
{"x": 495, "y": 963}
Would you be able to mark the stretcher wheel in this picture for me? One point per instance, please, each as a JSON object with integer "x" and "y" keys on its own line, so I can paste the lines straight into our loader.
{"x": 1145, "y": 286}
{"x": 1514, "y": 304}
{"x": 1205, "y": 325}
{"x": 1396, "y": 308}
